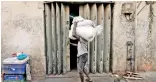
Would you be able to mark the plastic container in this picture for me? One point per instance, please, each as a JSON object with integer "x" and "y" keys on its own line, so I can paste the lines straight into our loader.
{"x": 14, "y": 78}
{"x": 14, "y": 66}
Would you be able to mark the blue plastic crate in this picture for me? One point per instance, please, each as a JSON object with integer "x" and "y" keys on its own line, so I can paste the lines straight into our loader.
{"x": 13, "y": 77}
{"x": 14, "y": 68}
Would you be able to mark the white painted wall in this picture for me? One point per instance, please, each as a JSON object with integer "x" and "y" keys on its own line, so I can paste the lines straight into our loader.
{"x": 23, "y": 30}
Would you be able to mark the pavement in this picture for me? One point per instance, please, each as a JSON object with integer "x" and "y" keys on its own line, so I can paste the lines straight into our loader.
{"x": 73, "y": 77}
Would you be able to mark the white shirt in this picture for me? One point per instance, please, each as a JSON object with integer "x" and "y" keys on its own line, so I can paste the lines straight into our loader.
{"x": 82, "y": 47}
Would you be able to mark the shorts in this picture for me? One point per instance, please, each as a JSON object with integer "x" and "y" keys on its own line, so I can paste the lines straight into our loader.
{"x": 81, "y": 62}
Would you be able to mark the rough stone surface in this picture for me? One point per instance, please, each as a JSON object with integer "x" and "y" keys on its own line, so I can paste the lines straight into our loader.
{"x": 23, "y": 31}
{"x": 153, "y": 43}
{"x": 145, "y": 38}
{"x": 141, "y": 34}
{"x": 141, "y": 31}
{"x": 123, "y": 31}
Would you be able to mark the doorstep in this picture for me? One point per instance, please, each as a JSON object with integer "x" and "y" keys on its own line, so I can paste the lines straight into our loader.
{"x": 74, "y": 74}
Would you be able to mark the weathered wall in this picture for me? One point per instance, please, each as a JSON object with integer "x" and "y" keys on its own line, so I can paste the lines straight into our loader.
{"x": 146, "y": 38}
{"x": 153, "y": 43}
{"x": 23, "y": 30}
{"x": 141, "y": 31}
{"x": 123, "y": 31}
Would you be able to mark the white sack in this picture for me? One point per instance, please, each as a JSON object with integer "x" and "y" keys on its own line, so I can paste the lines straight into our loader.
{"x": 86, "y": 32}
{"x": 86, "y": 23}
{"x": 78, "y": 19}
{"x": 99, "y": 29}
{"x": 80, "y": 22}
{"x": 86, "y": 29}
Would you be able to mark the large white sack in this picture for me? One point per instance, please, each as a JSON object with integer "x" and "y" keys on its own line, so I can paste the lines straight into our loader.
{"x": 70, "y": 33}
{"x": 81, "y": 23}
{"x": 85, "y": 29}
{"x": 86, "y": 32}
{"x": 86, "y": 23}
{"x": 78, "y": 19}
{"x": 99, "y": 29}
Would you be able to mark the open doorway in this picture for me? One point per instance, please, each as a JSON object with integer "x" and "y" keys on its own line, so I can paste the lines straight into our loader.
{"x": 74, "y": 11}
{"x": 56, "y": 17}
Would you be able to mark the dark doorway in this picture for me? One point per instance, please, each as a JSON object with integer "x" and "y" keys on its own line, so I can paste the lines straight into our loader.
{"x": 74, "y": 11}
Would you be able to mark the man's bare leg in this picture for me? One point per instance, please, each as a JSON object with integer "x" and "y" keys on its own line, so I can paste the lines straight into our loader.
{"x": 87, "y": 74}
{"x": 81, "y": 77}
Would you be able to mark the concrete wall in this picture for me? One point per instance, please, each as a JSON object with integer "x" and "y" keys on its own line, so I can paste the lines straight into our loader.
{"x": 23, "y": 30}
{"x": 123, "y": 31}
{"x": 146, "y": 37}
{"x": 142, "y": 35}
{"x": 141, "y": 31}
{"x": 153, "y": 37}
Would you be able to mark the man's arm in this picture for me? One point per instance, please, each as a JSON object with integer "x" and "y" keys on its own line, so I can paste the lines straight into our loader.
{"x": 73, "y": 44}
{"x": 74, "y": 31}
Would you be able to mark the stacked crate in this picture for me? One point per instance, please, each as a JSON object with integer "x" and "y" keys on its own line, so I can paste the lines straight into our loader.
{"x": 14, "y": 70}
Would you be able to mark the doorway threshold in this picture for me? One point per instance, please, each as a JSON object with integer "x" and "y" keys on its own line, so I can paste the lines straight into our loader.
{"x": 75, "y": 74}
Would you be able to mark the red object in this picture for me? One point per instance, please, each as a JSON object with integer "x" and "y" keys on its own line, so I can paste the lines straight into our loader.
{"x": 16, "y": 78}
{"x": 14, "y": 54}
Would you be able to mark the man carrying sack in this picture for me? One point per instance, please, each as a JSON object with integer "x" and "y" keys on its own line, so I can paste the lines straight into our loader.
{"x": 84, "y": 31}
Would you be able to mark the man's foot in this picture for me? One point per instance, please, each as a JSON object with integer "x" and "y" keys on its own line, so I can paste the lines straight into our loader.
{"x": 87, "y": 80}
